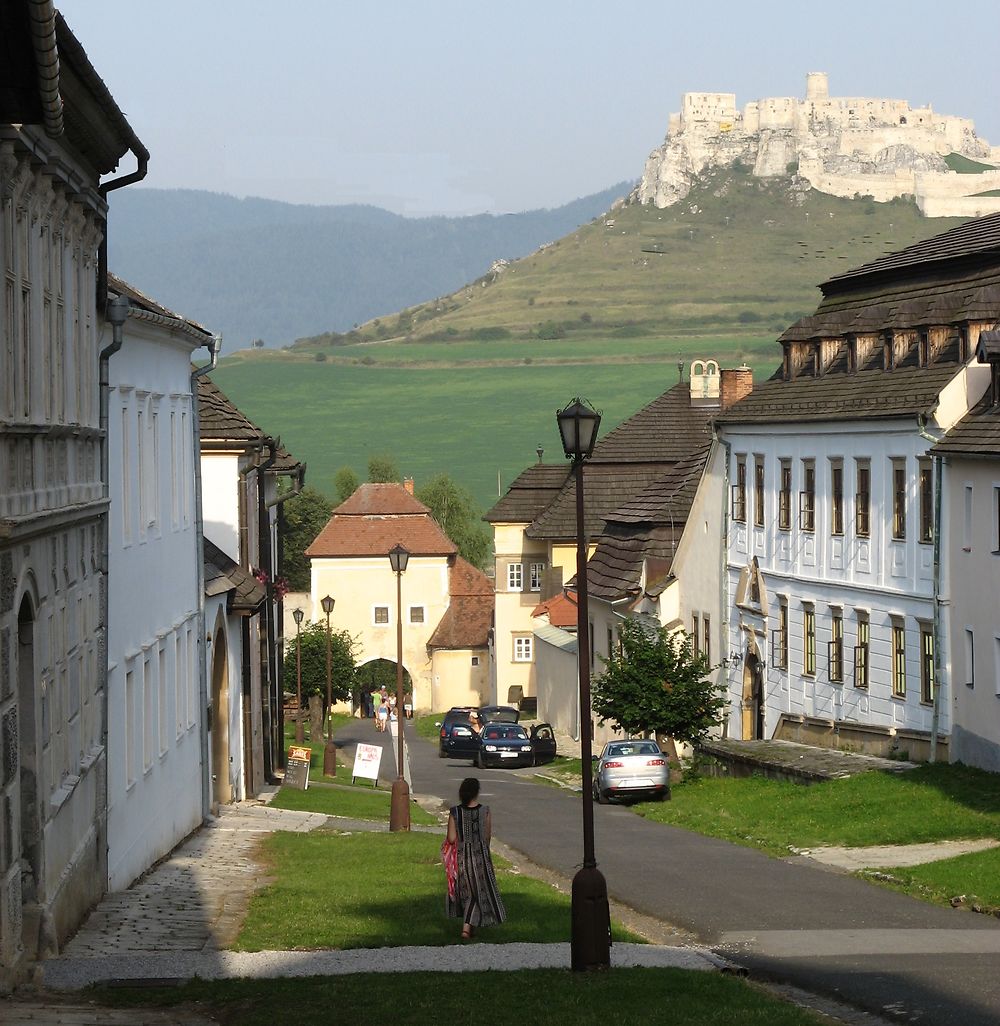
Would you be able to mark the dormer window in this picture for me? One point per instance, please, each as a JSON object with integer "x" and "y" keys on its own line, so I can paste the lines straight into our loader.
{"x": 924, "y": 347}
{"x": 852, "y": 354}
{"x": 888, "y": 353}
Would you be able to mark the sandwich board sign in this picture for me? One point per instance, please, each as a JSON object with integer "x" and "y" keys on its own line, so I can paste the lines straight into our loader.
{"x": 367, "y": 759}
{"x": 297, "y": 767}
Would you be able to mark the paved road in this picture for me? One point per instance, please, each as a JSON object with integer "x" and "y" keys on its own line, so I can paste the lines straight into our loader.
{"x": 787, "y": 920}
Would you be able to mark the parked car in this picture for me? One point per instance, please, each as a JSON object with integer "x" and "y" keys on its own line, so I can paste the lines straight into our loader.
{"x": 504, "y": 744}
{"x": 456, "y": 738}
{"x": 631, "y": 769}
{"x": 543, "y": 742}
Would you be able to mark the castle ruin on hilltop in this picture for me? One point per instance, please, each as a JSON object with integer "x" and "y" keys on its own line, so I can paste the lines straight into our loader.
{"x": 843, "y": 146}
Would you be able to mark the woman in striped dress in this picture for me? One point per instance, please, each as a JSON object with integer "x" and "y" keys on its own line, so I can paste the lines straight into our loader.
{"x": 476, "y": 900}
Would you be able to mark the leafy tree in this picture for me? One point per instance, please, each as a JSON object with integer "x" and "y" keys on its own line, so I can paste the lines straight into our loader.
{"x": 453, "y": 507}
{"x": 342, "y": 671}
{"x": 657, "y": 683}
{"x": 305, "y": 516}
{"x": 345, "y": 482}
{"x": 383, "y": 469}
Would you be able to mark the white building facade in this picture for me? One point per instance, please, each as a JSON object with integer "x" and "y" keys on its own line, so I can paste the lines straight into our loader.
{"x": 54, "y": 147}
{"x": 837, "y": 532}
{"x": 157, "y": 764}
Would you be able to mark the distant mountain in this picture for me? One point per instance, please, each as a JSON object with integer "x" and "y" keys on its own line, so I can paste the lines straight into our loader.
{"x": 255, "y": 268}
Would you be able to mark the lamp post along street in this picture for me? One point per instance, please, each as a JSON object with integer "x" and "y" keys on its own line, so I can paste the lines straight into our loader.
{"x": 590, "y": 939}
{"x": 300, "y": 735}
{"x": 399, "y": 806}
{"x": 330, "y": 751}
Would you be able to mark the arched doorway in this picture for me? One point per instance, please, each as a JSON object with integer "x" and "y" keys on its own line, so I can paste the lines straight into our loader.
{"x": 376, "y": 674}
{"x": 30, "y": 848}
{"x": 753, "y": 698}
{"x": 222, "y": 787}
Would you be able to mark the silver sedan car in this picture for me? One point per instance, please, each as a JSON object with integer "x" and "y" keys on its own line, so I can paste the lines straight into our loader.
{"x": 631, "y": 769}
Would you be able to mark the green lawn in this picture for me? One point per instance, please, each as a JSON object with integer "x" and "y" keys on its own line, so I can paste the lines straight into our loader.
{"x": 369, "y": 890}
{"x": 623, "y": 997}
{"x": 353, "y": 802}
{"x": 976, "y": 876}
{"x": 930, "y": 803}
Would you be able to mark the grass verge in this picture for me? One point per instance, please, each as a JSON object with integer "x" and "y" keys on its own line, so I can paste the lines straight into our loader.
{"x": 559, "y": 997}
{"x": 382, "y": 890}
{"x": 931, "y": 803}
{"x": 975, "y": 878}
{"x": 352, "y": 802}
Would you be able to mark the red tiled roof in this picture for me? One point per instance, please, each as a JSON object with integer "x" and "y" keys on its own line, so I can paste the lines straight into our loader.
{"x": 380, "y": 500}
{"x": 561, "y": 609}
{"x": 467, "y": 620}
{"x": 375, "y": 536}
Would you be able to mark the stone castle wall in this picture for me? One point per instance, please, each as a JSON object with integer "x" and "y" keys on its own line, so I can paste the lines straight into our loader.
{"x": 843, "y": 145}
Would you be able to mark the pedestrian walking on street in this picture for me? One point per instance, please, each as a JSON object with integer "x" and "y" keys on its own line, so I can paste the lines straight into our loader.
{"x": 475, "y": 898}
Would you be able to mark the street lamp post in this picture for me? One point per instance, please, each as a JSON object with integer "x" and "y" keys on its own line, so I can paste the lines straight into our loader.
{"x": 399, "y": 808}
{"x": 330, "y": 751}
{"x": 590, "y": 940}
{"x": 300, "y": 735}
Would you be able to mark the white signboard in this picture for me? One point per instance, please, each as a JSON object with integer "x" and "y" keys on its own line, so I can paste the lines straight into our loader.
{"x": 366, "y": 762}
{"x": 395, "y": 753}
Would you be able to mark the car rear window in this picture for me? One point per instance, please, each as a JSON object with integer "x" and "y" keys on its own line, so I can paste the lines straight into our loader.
{"x": 512, "y": 733}
{"x": 635, "y": 748}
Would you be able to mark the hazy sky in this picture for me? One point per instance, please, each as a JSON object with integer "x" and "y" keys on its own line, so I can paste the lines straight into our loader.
{"x": 459, "y": 107}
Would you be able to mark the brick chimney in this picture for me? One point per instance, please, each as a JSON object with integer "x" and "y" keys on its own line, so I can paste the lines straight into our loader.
{"x": 408, "y": 484}
{"x": 736, "y": 384}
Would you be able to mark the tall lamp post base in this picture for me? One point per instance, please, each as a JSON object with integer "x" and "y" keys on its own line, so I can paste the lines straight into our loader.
{"x": 399, "y": 807}
{"x": 590, "y": 940}
{"x": 330, "y": 758}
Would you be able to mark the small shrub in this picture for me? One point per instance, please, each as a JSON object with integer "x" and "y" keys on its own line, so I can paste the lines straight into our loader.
{"x": 491, "y": 333}
{"x": 367, "y": 360}
{"x": 792, "y": 167}
{"x": 551, "y": 330}
{"x": 748, "y": 317}
{"x": 320, "y": 357}
{"x": 586, "y": 318}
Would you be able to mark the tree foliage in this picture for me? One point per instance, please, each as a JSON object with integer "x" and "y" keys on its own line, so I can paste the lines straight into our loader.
{"x": 656, "y": 683}
{"x": 305, "y": 516}
{"x": 383, "y": 469}
{"x": 313, "y": 640}
{"x": 453, "y": 507}
{"x": 345, "y": 483}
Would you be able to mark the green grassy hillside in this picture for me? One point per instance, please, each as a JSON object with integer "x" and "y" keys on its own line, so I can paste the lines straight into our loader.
{"x": 740, "y": 255}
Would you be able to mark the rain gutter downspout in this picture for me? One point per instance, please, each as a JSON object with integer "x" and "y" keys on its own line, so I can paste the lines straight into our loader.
{"x": 214, "y": 346}
{"x": 272, "y": 739}
{"x": 116, "y": 312}
{"x": 724, "y": 559}
{"x": 940, "y": 601}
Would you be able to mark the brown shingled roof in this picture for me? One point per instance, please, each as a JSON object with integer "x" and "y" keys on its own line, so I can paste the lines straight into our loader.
{"x": 977, "y": 434}
{"x": 467, "y": 620}
{"x": 974, "y": 238}
{"x": 220, "y": 420}
{"x": 561, "y": 609}
{"x": 223, "y": 574}
{"x": 529, "y": 494}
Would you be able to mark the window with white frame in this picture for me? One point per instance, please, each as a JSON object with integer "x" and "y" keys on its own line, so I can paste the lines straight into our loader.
{"x": 809, "y": 641}
{"x": 835, "y": 649}
{"x": 862, "y": 498}
{"x": 739, "y": 511}
{"x": 837, "y": 496}
{"x": 380, "y": 615}
{"x": 899, "y": 499}
{"x": 522, "y": 648}
{"x": 758, "y": 491}
{"x": 927, "y": 683}
{"x": 785, "y": 497}
{"x": 926, "y": 487}
{"x": 515, "y": 577}
{"x": 861, "y": 650}
{"x": 536, "y": 571}
{"x": 807, "y": 497}
{"x": 898, "y": 657}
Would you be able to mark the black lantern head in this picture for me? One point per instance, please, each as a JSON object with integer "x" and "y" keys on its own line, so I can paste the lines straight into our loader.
{"x": 297, "y": 616}
{"x": 398, "y": 558}
{"x": 578, "y": 426}
{"x": 327, "y": 603}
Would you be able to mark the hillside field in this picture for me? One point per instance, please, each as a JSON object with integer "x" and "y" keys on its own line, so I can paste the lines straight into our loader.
{"x": 472, "y": 410}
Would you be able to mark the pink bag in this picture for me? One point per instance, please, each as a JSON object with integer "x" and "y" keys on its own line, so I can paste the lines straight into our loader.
{"x": 449, "y": 856}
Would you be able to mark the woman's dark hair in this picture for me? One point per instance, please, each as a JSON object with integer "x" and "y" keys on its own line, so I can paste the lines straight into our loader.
{"x": 468, "y": 790}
